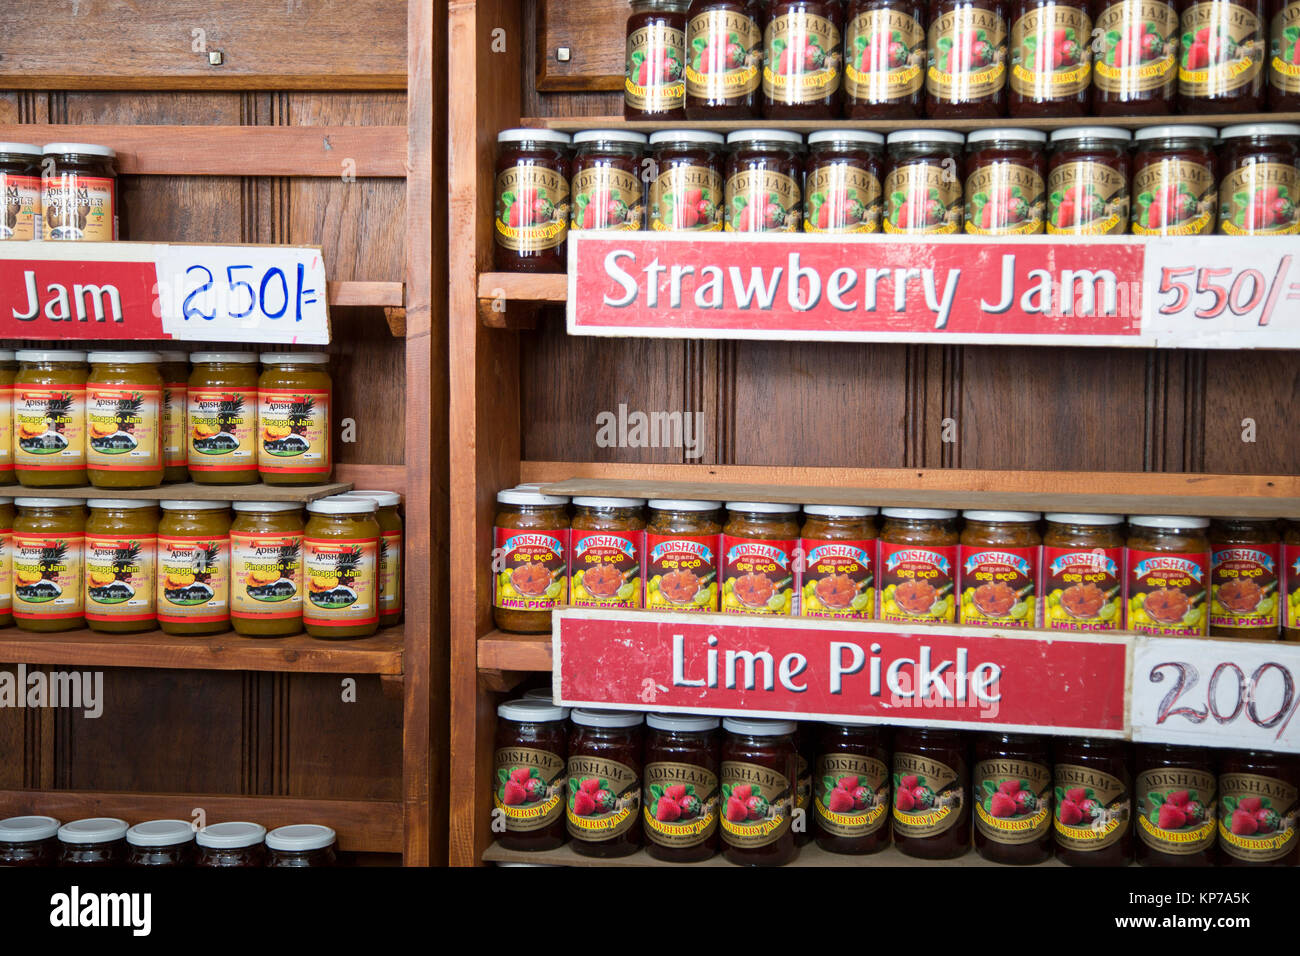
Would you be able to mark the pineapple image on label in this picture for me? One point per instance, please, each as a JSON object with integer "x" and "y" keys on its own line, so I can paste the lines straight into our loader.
{"x": 293, "y": 431}
{"x": 193, "y": 578}
{"x": 49, "y": 427}
{"x": 48, "y": 574}
{"x": 123, "y": 430}
{"x": 120, "y": 578}
{"x": 267, "y": 573}
{"x": 342, "y": 582}
{"x": 221, "y": 426}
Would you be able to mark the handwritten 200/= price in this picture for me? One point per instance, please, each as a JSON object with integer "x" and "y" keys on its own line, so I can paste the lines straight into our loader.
{"x": 1238, "y": 291}
{"x": 1186, "y": 677}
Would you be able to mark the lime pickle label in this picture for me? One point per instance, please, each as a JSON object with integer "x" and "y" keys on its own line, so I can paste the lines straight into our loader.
{"x": 1223, "y": 48}
{"x": 757, "y": 576}
{"x": 1260, "y": 199}
{"x": 605, "y": 197}
{"x": 724, "y": 54}
{"x": 682, "y": 571}
{"x": 763, "y": 201}
{"x": 266, "y": 575}
{"x": 49, "y": 427}
{"x": 606, "y": 568}
{"x": 842, "y": 198}
{"x": 1092, "y": 808}
{"x": 531, "y": 569}
{"x": 681, "y": 807}
{"x": 656, "y": 65}
{"x": 967, "y": 55}
{"x": 1174, "y": 197}
{"x": 1167, "y": 593}
{"x": 1084, "y": 589}
{"x": 998, "y": 586}
{"x": 22, "y": 200}
{"x": 1291, "y": 570}
{"x": 193, "y": 579}
{"x": 917, "y": 583}
{"x": 686, "y": 198}
{"x": 1013, "y": 800}
{"x": 928, "y": 796}
{"x": 48, "y": 576}
{"x": 852, "y": 795}
{"x": 222, "y": 425}
{"x": 1004, "y": 199}
{"x": 1176, "y": 810}
{"x": 294, "y": 431}
{"x": 1258, "y": 820}
{"x": 120, "y": 578}
{"x": 886, "y": 52}
{"x": 1284, "y": 52}
{"x": 122, "y": 427}
{"x": 1136, "y": 49}
{"x": 838, "y": 579}
{"x": 604, "y": 798}
{"x": 923, "y": 198}
{"x": 757, "y": 804}
{"x": 532, "y": 208}
{"x": 342, "y": 578}
{"x": 1051, "y": 53}
{"x": 529, "y": 789}
{"x": 802, "y": 62}
{"x": 1243, "y": 586}
{"x": 1088, "y": 199}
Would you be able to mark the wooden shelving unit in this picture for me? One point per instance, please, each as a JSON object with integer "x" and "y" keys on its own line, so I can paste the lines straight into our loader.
{"x": 189, "y": 491}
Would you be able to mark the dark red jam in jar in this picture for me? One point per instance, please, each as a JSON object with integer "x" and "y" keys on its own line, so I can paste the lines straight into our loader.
{"x": 764, "y": 189}
{"x": 686, "y": 194}
{"x": 759, "y": 778}
{"x": 528, "y": 777}
{"x": 884, "y": 59}
{"x": 301, "y": 845}
{"x": 681, "y": 787}
{"x": 842, "y": 191}
{"x": 1093, "y": 787}
{"x": 238, "y": 845}
{"x": 1051, "y": 58}
{"x": 532, "y": 200}
{"x": 1135, "y": 58}
{"x": 923, "y": 182}
{"x": 1259, "y": 801}
{"x": 160, "y": 843}
{"x": 1012, "y": 786}
{"x": 604, "y": 771}
{"x": 1006, "y": 174}
{"x": 1221, "y": 63}
{"x": 1284, "y": 57}
{"x": 851, "y": 789}
{"x": 724, "y": 59}
{"x": 1088, "y": 181}
{"x": 967, "y": 55}
{"x": 1175, "y": 805}
{"x": 654, "y": 81}
{"x": 1175, "y": 182}
{"x": 805, "y": 745}
{"x": 29, "y": 841}
{"x": 931, "y": 779}
{"x": 803, "y": 63}
{"x": 607, "y": 188}
{"x": 1259, "y": 189}
{"x": 97, "y": 841}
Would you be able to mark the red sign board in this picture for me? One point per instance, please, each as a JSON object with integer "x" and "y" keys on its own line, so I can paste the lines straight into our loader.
{"x": 78, "y": 299}
{"x": 964, "y": 677}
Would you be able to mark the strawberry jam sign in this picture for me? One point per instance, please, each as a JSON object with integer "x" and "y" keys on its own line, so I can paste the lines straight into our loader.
{"x": 962, "y": 677}
{"x": 126, "y": 290}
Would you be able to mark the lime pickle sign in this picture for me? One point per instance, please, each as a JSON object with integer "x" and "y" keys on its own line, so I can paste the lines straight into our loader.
{"x": 962, "y": 677}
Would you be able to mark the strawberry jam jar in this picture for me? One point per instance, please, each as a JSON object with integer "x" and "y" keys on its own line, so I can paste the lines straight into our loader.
{"x": 1012, "y": 787}
{"x": 842, "y": 193}
{"x": 681, "y": 784}
{"x": 1088, "y": 181}
{"x": 1175, "y": 806}
{"x": 654, "y": 81}
{"x": 603, "y": 808}
{"x": 1175, "y": 181}
{"x": 931, "y": 779}
{"x": 1050, "y": 58}
{"x": 686, "y": 194}
{"x": 1259, "y": 801}
{"x": 967, "y": 73}
{"x": 803, "y": 61}
{"x": 1135, "y": 57}
{"x": 760, "y": 769}
{"x": 1093, "y": 785}
{"x": 923, "y": 182}
{"x": 1245, "y": 554}
{"x": 1284, "y": 57}
{"x": 1006, "y": 173}
{"x": 1259, "y": 193}
{"x": 1222, "y": 69}
{"x": 531, "y": 221}
{"x": 724, "y": 59}
{"x": 885, "y": 59}
{"x": 606, "y": 188}
{"x": 528, "y": 781}
{"x": 851, "y": 789}
{"x": 764, "y": 189}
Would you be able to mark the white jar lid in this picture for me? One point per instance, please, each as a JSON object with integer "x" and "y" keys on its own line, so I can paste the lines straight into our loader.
{"x": 229, "y": 358}
{"x": 174, "y": 356}
{"x": 124, "y": 358}
{"x": 1260, "y": 129}
{"x": 49, "y": 355}
{"x": 523, "y": 134}
{"x": 385, "y": 499}
{"x": 21, "y": 502}
{"x": 762, "y": 507}
{"x": 609, "y": 136}
{"x": 1091, "y": 132}
{"x": 841, "y": 511}
{"x": 685, "y": 136}
{"x": 924, "y": 136}
{"x": 845, "y": 136}
{"x": 1069, "y": 517}
{"x": 93, "y": 830}
{"x": 513, "y": 496}
{"x": 120, "y": 504}
{"x": 160, "y": 833}
{"x": 294, "y": 358}
{"x": 925, "y": 514}
{"x": 763, "y": 136}
{"x": 7, "y": 355}
{"x": 194, "y": 505}
{"x": 22, "y": 149}
{"x": 231, "y": 836}
{"x": 1175, "y": 132}
{"x": 273, "y": 506}
{"x": 605, "y": 718}
{"x": 1020, "y": 516}
{"x": 1168, "y": 521}
{"x": 684, "y": 723}
{"x": 529, "y": 710}
{"x": 533, "y": 486}
{"x": 85, "y": 149}
{"x": 587, "y": 502}
{"x": 342, "y": 505}
{"x": 300, "y": 837}
{"x": 758, "y": 726}
{"x": 27, "y": 829}
{"x": 1005, "y": 132}
{"x": 683, "y": 504}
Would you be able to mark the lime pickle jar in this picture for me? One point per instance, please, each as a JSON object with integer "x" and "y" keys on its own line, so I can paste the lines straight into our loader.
{"x": 923, "y": 182}
{"x": 967, "y": 55}
{"x": 682, "y": 540}
{"x": 1259, "y": 192}
{"x": 851, "y": 789}
{"x": 6, "y": 562}
{"x": 1012, "y": 793}
{"x": 803, "y": 61}
{"x": 760, "y": 769}
{"x": 1175, "y": 181}
{"x": 529, "y": 781}
{"x": 607, "y": 546}
{"x": 49, "y": 418}
{"x": 687, "y": 192}
{"x": 1093, "y": 786}
{"x": 121, "y": 565}
{"x": 1291, "y": 586}
{"x": 340, "y": 557}
{"x": 1245, "y": 555}
{"x": 1176, "y": 806}
{"x": 531, "y": 222}
{"x": 175, "y": 372}
{"x": 193, "y": 590}
{"x": 724, "y": 59}
{"x": 1168, "y": 579}
{"x": 931, "y": 780}
{"x": 842, "y": 192}
{"x": 294, "y": 423}
{"x": 764, "y": 185}
{"x": 998, "y": 565}
{"x": 918, "y": 566}
{"x": 1223, "y": 57}
{"x": 654, "y": 77}
{"x": 837, "y": 576}
{"x": 49, "y": 545}
{"x": 124, "y": 393}
{"x": 1006, "y": 173}
{"x": 1135, "y": 57}
{"x": 603, "y": 809}
{"x": 884, "y": 59}
{"x": 222, "y": 418}
{"x": 681, "y": 787}
{"x": 266, "y": 575}
{"x": 1050, "y": 58}
{"x": 756, "y": 560}
{"x": 607, "y": 188}
{"x": 392, "y": 554}
{"x": 530, "y": 560}
{"x": 1088, "y": 181}
{"x": 1083, "y": 572}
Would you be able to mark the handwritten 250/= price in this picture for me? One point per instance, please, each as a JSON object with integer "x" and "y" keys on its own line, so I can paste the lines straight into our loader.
{"x": 1232, "y": 681}
{"x": 1234, "y": 290}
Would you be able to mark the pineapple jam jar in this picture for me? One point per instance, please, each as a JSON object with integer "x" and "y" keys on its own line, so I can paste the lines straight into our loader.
{"x": 222, "y": 418}
{"x": 266, "y": 568}
{"x": 49, "y": 409}
{"x": 293, "y": 418}
{"x": 175, "y": 372}
{"x": 124, "y": 397}
{"x": 49, "y": 564}
{"x": 8, "y": 369}
{"x": 392, "y": 544}
{"x": 121, "y": 563}
{"x": 6, "y": 562}
{"x": 341, "y": 567}
{"x": 194, "y": 567}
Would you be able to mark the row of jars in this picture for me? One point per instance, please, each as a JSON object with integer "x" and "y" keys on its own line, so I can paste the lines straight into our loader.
{"x": 110, "y": 841}
{"x": 117, "y": 567}
{"x": 611, "y": 782}
{"x": 120, "y": 420}
{"x": 958, "y": 59}
{"x": 59, "y": 192}
{"x": 1167, "y": 575}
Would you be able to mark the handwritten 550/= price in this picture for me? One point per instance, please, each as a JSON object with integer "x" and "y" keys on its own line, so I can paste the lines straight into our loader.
{"x": 1211, "y": 292}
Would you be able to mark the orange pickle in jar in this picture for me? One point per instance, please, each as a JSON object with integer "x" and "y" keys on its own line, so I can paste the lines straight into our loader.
{"x": 194, "y": 567}
{"x": 756, "y": 558}
{"x": 392, "y": 550}
{"x": 530, "y": 560}
{"x": 1168, "y": 578}
{"x": 266, "y": 576}
{"x": 998, "y": 562}
{"x": 49, "y": 542}
{"x": 341, "y": 568}
{"x": 294, "y": 397}
{"x": 49, "y": 418}
{"x": 1245, "y": 578}
{"x": 1083, "y": 572}
{"x": 222, "y": 418}
{"x": 124, "y": 397}
{"x": 175, "y": 371}
{"x": 608, "y": 553}
{"x": 682, "y": 539}
{"x": 837, "y": 562}
{"x": 918, "y": 566}
{"x": 121, "y": 562}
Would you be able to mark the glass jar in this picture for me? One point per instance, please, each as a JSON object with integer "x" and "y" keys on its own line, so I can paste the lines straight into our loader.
{"x": 885, "y": 58}
{"x": 1222, "y": 69}
{"x": 1051, "y": 58}
{"x": 918, "y": 566}
{"x": 121, "y": 565}
{"x": 1259, "y": 192}
{"x": 764, "y": 188}
{"x": 724, "y": 59}
{"x": 1083, "y": 572}
{"x": 49, "y": 411}
{"x": 607, "y": 189}
{"x": 532, "y": 200}
{"x": 294, "y": 427}
{"x": 682, "y": 539}
{"x": 231, "y": 845}
{"x": 79, "y": 195}
{"x": 851, "y": 784}
{"x": 837, "y": 577}
{"x": 1168, "y": 580}
{"x": 531, "y": 560}
{"x": 6, "y": 562}
{"x": 756, "y": 559}
{"x": 805, "y": 747}
{"x": 1135, "y": 57}
{"x": 160, "y": 843}
{"x": 1284, "y": 57}
{"x": 802, "y": 60}
{"x": 340, "y": 562}
{"x": 20, "y": 184}
{"x": 124, "y": 420}
{"x": 1258, "y": 808}
{"x": 1094, "y": 792}
{"x": 923, "y": 182}
{"x": 654, "y": 77}
{"x": 1012, "y": 784}
{"x": 931, "y": 778}
{"x": 1291, "y": 579}
{"x": 967, "y": 56}
{"x": 687, "y": 192}
{"x": 193, "y": 589}
{"x": 1088, "y": 181}
{"x": 604, "y": 770}
{"x": 266, "y": 576}
{"x": 681, "y": 782}
{"x": 222, "y": 418}
{"x": 8, "y": 371}
{"x": 301, "y": 845}
{"x": 998, "y": 560}
{"x": 392, "y": 595}
{"x": 1176, "y": 806}
{"x": 1005, "y": 171}
{"x": 1175, "y": 187}
{"x": 175, "y": 372}
{"x": 529, "y": 783}
{"x": 49, "y": 546}
{"x": 760, "y": 768}
{"x": 842, "y": 192}
{"x": 95, "y": 841}
{"x": 608, "y": 553}
{"x": 28, "y": 841}
{"x": 1244, "y": 558}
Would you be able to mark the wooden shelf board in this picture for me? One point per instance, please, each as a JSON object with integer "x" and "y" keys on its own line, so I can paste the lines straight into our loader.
{"x": 372, "y": 477}
{"x": 189, "y": 491}
{"x": 810, "y": 855}
{"x": 499, "y": 651}
{"x": 389, "y": 294}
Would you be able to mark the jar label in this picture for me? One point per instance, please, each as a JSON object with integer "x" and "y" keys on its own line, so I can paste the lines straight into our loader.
{"x": 222, "y": 427}
{"x": 1291, "y": 570}
{"x": 294, "y": 426}
{"x": 916, "y": 582}
{"x": 686, "y": 197}
{"x": 1284, "y": 59}
{"x": 1051, "y": 53}
{"x": 1176, "y": 810}
{"x": 120, "y": 578}
{"x": 48, "y": 576}
{"x": 76, "y": 207}
{"x": 604, "y": 798}
{"x": 838, "y": 579}
{"x": 123, "y": 426}
{"x": 6, "y": 429}
{"x": 1004, "y": 199}
{"x": 606, "y": 569}
{"x": 928, "y": 796}
{"x": 967, "y": 53}
{"x": 193, "y": 578}
{"x": 175, "y": 398}
{"x": 923, "y": 198}
{"x": 1243, "y": 586}
{"x": 532, "y": 208}
{"x": 655, "y": 66}
{"x": 842, "y": 198}
{"x": 1136, "y": 48}
{"x": 724, "y": 51}
{"x": 682, "y": 571}
{"x": 607, "y": 198}
{"x": 22, "y": 199}
{"x": 390, "y": 573}
{"x": 1087, "y": 198}
{"x": 1223, "y": 49}
{"x": 1258, "y": 820}
{"x": 266, "y": 571}
{"x": 886, "y": 56}
{"x": 49, "y": 427}
{"x": 1260, "y": 199}
{"x": 531, "y": 569}
{"x": 342, "y": 579}
{"x": 801, "y": 63}
{"x": 1013, "y": 803}
{"x": 1166, "y": 593}
{"x": 529, "y": 788}
{"x": 852, "y": 794}
{"x": 757, "y": 804}
{"x": 682, "y": 805}
{"x": 757, "y": 576}
{"x": 1092, "y": 808}
{"x": 1085, "y": 589}
{"x": 763, "y": 200}
{"x": 998, "y": 586}
{"x": 6, "y": 569}
{"x": 1174, "y": 197}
